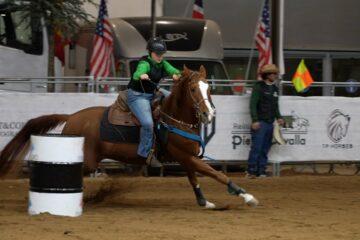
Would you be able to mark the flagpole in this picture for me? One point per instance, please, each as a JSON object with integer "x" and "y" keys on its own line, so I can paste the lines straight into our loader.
{"x": 253, "y": 44}
{"x": 113, "y": 64}
{"x": 187, "y": 8}
{"x": 280, "y": 61}
{"x": 153, "y": 23}
{"x": 277, "y": 38}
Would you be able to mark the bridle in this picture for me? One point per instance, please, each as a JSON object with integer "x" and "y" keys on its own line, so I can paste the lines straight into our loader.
{"x": 196, "y": 105}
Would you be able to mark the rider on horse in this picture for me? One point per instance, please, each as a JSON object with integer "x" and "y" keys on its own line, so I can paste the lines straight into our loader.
{"x": 141, "y": 90}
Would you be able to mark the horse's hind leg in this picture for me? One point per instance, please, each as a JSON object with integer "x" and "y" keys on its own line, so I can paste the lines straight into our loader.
{"x": 197, "y": 165}
{"x": 91, "y": 156}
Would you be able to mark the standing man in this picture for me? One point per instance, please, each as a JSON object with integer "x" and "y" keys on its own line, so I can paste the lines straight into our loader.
{"x": 264, "y": 110}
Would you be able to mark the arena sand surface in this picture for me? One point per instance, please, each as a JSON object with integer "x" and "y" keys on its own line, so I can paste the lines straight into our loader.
{"x": 292, "y": 207}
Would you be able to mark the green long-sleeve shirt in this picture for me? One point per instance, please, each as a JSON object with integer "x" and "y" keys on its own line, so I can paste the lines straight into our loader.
{"x": 144, "y": 68}
{"x": 264, "y": 103}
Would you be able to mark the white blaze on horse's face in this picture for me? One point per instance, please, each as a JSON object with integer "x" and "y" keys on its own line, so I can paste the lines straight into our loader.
{"x": 204, "y": 90}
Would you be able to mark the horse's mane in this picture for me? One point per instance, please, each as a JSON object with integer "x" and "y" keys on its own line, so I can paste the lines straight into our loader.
{"x": 180, "y": 85}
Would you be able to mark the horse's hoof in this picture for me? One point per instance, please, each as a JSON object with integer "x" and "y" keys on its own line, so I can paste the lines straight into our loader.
{"x": 209, "y": 205}
{"x": 250, "y": 200}
{"x": 99, "y": 175}
{"x": 253, "y": 203}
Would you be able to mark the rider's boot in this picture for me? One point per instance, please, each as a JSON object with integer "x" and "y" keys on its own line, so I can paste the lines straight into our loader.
{"x": 152, "y": 160}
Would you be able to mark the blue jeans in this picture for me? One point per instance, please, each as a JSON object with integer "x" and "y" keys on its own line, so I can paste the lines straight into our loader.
{"x": 140, "y": 105}
{"x": 261, "y": 141}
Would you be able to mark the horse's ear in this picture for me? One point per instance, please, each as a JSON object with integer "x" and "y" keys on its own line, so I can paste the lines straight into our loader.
{"x": 186, "y": 71}
{"x": 202, "y": 71}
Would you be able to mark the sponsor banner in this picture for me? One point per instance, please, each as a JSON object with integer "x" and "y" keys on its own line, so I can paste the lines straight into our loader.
{"x": 317, "y": 128}
{"x": 17, "y": 108}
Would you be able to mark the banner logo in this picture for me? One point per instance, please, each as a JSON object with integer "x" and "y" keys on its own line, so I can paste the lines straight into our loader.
{"x": 294, "y": 132}
{"x": 295, "y": 124}
{"x": 338, "y": 125}
{"x": 295, "y": 129}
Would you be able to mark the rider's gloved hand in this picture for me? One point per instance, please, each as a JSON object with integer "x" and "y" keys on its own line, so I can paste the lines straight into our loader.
{"x": 176, "y": 77}
{"x": 144, "y": 77}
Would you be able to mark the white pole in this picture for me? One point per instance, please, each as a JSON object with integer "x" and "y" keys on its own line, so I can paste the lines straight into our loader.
{"x": 280, "y": 62}
{"x": 253, "y": 43}
{"x": 187, "y": 8}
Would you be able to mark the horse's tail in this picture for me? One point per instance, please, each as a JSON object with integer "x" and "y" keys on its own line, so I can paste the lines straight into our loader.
{"x": 38, "y": 125}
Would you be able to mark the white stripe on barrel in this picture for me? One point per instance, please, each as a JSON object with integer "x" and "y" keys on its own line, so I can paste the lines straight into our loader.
{"x": 56, "y": 175}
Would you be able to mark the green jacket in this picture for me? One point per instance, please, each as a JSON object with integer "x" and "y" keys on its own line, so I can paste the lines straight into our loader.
{"x": 156, "y": 72}
{"x": 264, "y": 103}
{"x": 144, "y": 68}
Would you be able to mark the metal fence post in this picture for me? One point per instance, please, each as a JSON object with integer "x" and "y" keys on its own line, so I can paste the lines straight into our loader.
{"x": 276, "y": 169}
{"x": 97, "y": 87}
{"x": 91, "y": 86}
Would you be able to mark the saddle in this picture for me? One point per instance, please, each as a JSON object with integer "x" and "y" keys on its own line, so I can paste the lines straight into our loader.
{"x": 120, "y": 113}
{"x": 120, "y": 125}
{"x": 131, "y": 134}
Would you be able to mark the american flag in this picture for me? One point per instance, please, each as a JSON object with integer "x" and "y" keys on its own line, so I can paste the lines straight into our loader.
{"x": 100, "y": 62}
{"x": 198, "y": 10}
{"x": 262, "y": 37}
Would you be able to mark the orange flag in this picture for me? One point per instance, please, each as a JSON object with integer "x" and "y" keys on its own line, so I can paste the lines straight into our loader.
{"x": 302, "y": 78}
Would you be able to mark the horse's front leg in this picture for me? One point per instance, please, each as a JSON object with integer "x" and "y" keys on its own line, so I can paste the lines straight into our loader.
{"x": 201, "y": 200}
{"x": 198, "y": 165}
{"x": 205, "y": 169}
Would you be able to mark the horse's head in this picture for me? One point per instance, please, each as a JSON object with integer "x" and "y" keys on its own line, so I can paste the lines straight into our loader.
{"x": 195, "y": 93}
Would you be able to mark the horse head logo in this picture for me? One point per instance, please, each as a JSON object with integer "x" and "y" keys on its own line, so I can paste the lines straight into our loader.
{"x": 299, "y": 123}
{"x": 337, "y": 125}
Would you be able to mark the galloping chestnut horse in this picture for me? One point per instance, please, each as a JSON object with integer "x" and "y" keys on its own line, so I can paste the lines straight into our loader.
{"x": 188, "y": 104}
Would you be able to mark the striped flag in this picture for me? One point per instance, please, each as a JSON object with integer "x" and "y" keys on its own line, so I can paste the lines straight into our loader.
{"x": 302, "y": 78}
{"x": 198, "y": 10}
{"x": 262, "y": 37}
{"x": 100, "y": 62}
{"x": 59, "y": 43}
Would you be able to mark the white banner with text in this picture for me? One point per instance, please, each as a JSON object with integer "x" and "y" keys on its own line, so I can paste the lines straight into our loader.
{"x": 318, "y": 128}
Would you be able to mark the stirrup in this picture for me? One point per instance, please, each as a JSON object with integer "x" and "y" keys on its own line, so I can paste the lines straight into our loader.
{"x": 152, "y": 161}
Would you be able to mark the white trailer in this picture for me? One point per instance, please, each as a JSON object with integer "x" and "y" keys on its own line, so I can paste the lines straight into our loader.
{"x": 191, "y": 42}
{"x": 23, "y": 49}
